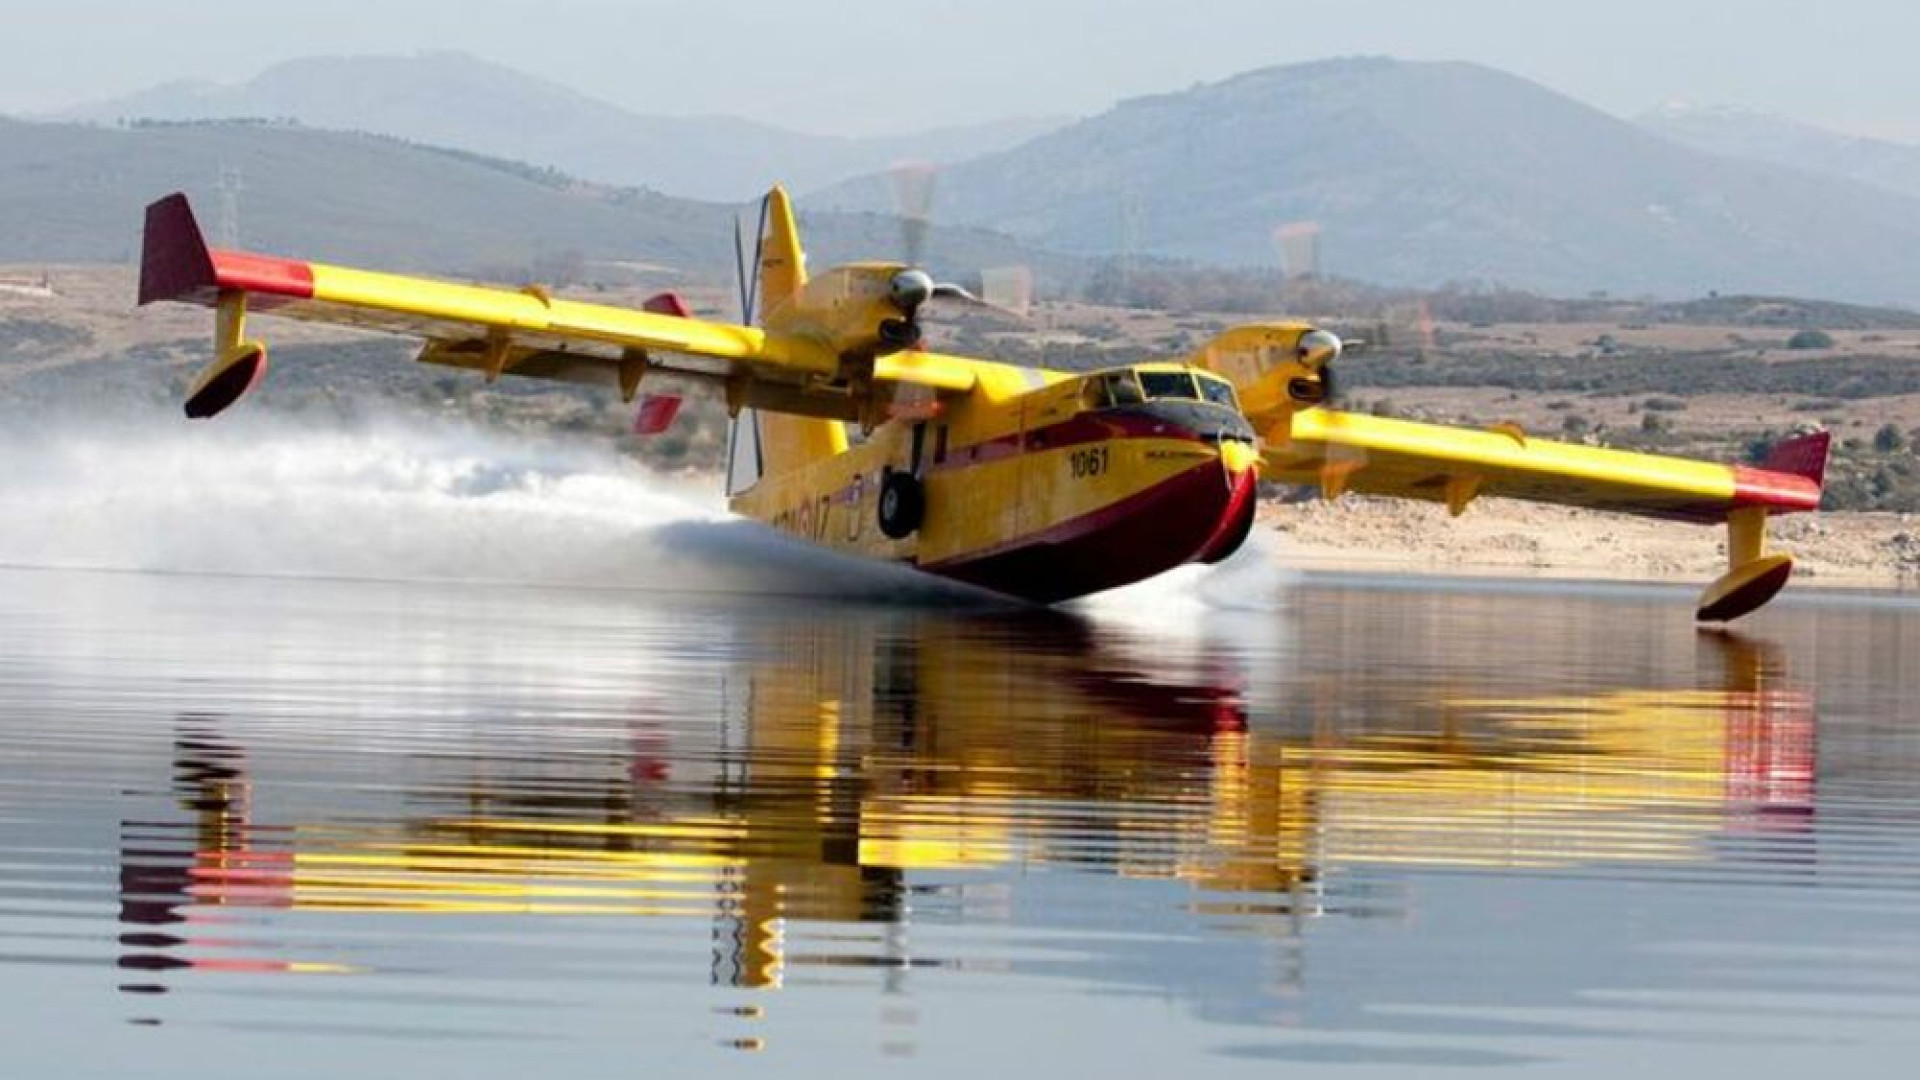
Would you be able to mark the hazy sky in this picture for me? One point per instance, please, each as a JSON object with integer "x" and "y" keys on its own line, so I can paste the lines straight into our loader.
{"x": 860, "y": 67}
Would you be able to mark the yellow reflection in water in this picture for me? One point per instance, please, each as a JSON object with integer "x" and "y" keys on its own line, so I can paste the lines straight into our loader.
{"x": 854, "y": 752}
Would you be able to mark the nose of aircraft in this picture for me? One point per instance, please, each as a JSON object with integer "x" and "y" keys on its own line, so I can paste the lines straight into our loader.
{"x": 1239, "y": 457}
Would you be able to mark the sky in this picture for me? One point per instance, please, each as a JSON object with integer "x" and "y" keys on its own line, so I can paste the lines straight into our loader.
{"x": 855, "y": 67}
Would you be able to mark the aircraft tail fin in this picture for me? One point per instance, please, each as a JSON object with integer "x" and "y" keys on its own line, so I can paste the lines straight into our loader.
{"x": 783, "y": 262}
{"x": 786, "y": 443}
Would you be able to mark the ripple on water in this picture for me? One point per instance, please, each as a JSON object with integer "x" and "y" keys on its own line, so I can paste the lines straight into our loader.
{"x": 1365, "y": 829}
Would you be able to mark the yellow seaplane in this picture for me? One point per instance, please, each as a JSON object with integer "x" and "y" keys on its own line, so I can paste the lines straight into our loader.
{"x": 1037, "y": 484}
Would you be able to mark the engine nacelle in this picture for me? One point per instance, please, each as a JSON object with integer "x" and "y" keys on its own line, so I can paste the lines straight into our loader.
{"x": 856, "y": 312}
{"x": 1276, "y": 368}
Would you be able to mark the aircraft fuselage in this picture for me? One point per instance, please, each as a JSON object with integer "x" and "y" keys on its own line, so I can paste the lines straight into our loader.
{"x": 1039, "y": 486}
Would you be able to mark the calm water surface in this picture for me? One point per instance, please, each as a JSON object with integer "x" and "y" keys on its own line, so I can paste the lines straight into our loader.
{"x": 296, "y": 828}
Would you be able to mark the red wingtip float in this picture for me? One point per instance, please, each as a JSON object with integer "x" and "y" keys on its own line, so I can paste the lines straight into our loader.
{"x": 1044, "y": 485}
{"x": 227, "y": 380}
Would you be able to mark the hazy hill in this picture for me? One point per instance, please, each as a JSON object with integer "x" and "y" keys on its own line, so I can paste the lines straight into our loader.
{"x": 1748, "y": 133}
{"x": 1421, "y": 173}
{"x": 75, "y": 193}
{"x": 452, "y": 99}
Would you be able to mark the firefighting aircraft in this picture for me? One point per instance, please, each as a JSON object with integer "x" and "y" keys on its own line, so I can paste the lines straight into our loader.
{"x": 1041, "y": 485}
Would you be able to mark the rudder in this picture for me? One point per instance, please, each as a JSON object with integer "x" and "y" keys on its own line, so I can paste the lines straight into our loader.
{"x": 787, "y": 443}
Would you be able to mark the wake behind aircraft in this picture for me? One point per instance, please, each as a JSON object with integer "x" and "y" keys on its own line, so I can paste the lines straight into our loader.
{"x": 1037, "y": 484}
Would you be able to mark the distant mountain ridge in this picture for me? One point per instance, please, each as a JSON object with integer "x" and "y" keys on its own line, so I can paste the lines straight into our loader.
{"x": 1421, "y": 173}
{"x": 75, "y": 193}
{"x": 453, "y": 99}
{"x": 1417, "y": 174}
{"x": 1761, "y": 136}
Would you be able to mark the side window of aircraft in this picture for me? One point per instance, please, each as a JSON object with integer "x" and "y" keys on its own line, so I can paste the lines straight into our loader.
{"x": 1218, "y": 391}
{"x": 1122, "y": 389}
{"x": 1167, "y": 384}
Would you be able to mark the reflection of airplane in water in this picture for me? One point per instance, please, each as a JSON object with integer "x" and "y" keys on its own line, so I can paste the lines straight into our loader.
{"x": 855, "y": 752}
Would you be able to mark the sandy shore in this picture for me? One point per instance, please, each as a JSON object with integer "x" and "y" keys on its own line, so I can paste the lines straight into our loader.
{"x": 1502, "y": 537}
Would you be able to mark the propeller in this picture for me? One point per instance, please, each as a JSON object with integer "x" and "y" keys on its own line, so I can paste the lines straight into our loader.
{"x": 914, "y": 184}
{"x": 740, "y": 474}
{"x": 1320, "y": 348}
{"x": 913, "y": 187}
{"x": 747, "y": 275}
{"x": 1317, "y": 351}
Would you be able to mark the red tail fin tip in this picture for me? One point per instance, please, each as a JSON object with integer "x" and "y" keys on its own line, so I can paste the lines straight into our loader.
{"x": 668, "y": 303}
{"x": 656, "y": 413}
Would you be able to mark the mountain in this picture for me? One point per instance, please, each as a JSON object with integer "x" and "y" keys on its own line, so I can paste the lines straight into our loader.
{"x": 1761, "y": 136}
{"x": 1422, "y": 173}
{"x": 75, "y": 193}
{"x": 453, "y": 99}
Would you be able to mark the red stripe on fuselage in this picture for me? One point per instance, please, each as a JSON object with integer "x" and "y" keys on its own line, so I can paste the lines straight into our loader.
{"x": 1781, "y": 492}
{"x": 263, "y": 275}
{"x": 1077, "y": 431}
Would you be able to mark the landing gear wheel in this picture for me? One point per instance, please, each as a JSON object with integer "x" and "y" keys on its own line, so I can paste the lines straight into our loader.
{"x": 903, "y": 503}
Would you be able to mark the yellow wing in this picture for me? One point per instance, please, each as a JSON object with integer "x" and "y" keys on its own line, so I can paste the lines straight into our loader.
{"x": 1341, "y": 451}
{"x": 496, "y": 331}
{"x": 1280, "y": 372}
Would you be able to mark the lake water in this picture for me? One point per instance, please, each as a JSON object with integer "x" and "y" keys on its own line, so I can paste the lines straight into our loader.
{"x": 266, "y": 826}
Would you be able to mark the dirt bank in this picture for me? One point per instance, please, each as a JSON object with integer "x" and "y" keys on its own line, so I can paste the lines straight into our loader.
{"x": 1505, "y": 537}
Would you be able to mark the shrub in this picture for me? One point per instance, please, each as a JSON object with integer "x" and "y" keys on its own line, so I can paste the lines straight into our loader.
{"x": 1810, "y": 339}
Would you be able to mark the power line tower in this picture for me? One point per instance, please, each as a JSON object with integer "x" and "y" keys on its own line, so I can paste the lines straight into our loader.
{"x": 1131, "y": 213}
{"x": 232, "y": 183}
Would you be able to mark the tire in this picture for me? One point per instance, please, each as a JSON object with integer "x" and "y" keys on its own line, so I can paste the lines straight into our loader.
{"x": 903, "y": 503}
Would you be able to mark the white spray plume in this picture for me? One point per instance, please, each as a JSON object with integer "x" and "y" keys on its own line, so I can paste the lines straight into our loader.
{"x": 392, "y": 501}
{"x": 441, "y": 501}
{"x": 1251, "y": 581}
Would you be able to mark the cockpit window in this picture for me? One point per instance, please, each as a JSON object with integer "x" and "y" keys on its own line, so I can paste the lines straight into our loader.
{"x": 1121, "y": 388}
{"x": 1133, "y": 387}
{"x": 1167, "y": 384}
{"x": 1218, "y": 391}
